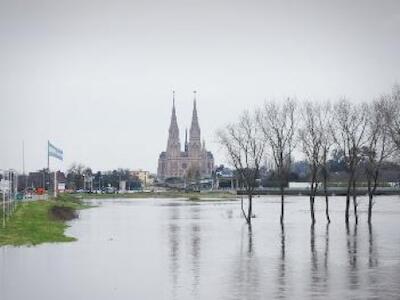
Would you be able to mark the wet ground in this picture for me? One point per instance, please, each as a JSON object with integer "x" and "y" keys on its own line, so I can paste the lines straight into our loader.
{"x": 176, "y": 249}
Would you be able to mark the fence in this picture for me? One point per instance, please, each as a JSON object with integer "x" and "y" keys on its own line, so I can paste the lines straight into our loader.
{"x": 9, "y": 194}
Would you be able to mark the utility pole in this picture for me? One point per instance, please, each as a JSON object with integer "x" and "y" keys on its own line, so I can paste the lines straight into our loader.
{"x": 23, "y": 166}
{"x": 4, "y": 208}
{"x": 55, "y": 184}
{"x": 4, "y": 199}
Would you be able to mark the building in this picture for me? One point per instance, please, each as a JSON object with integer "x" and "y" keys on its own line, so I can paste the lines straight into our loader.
{"x": 144, "y": 177}
{"x": 194, "y": 161}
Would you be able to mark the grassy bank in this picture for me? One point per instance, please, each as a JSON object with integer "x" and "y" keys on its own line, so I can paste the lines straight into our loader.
{"x": 40, "y": 222}
{"x": 168, "y": 194}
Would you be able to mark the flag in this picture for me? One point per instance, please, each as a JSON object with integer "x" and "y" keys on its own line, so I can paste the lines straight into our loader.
{"x": 54, "y": 151}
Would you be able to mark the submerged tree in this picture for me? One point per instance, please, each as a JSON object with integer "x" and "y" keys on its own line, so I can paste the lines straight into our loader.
{"x": 349, "y": 131}
{"x": 244, "y": 147}
{"x": 325, "y": 118}
{"x": 392, "y": 116}
{"x": 277, "y": 124}
{"x": 378, "y": 147}
{"x": 311, "y": 138}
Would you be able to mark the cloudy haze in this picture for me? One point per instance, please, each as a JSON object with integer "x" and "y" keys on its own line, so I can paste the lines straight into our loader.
{"x": 96, "y": 77}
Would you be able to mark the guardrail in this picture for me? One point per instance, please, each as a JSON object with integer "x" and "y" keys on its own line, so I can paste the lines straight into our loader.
{"x": 9, "y": 203}
{"x": 8, "y": 206}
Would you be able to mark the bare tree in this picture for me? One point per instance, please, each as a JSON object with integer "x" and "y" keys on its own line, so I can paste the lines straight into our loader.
{"x": 277, "y": 123}
{"x": 392, "y": 116}
{"x": 245, "y": 150}
{"x": 349, "y": 131}
{"x": 378, "y": 147}
{"x": 311, "y": 140}
{"x": 325, "y": 119}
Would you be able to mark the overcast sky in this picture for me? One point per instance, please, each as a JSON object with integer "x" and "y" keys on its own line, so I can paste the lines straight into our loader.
{"x": 96, "y": 77}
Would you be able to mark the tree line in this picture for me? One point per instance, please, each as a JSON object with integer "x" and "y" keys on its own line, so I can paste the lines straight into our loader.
{"x": 365, "y": 134}
{"x": 76, "y": 174}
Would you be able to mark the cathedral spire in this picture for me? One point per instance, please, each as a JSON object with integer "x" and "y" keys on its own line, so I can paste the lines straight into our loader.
{"x": 174, "y": 122}
{"x": 186, "y": 141}
{"x": 173, "y": 147}
{"x": 194, "y": 117}
{"x": 195, "y": 128}
{"x": 194, "y": 134}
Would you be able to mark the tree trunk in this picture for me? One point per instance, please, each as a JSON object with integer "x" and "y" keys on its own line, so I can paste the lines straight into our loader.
{"x": 312, "y": 198}
{"x": 346, "y": 214}
{"x": 244, "y": 213}
{"x": 313, "y": 191}
{"x": 371, "y": 194}
{"x": 312, "y": 210}
{"x": 250, "y": 208}
{"x": 355, "y": 201}
{"x": 326, "y": 199}
{"x": 370, "y": 198}
{"x": 282, "y": 202}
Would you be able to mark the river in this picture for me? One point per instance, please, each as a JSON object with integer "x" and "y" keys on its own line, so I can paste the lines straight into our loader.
{"x": 178, "y": 249}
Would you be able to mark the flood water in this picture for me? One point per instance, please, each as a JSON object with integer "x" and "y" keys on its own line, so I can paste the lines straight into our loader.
{"x": 177, "y": 249}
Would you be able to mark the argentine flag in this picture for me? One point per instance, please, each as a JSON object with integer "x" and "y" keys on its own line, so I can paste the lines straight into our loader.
{"x": 54, "y": 151}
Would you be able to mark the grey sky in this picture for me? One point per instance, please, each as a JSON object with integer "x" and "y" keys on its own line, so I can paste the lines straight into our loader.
{"x": 95, "y": 77}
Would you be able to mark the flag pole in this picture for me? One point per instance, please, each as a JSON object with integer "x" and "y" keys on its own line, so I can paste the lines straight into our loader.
{"x": 48, "y": 156}
{"x": 55, "y": 184}
{"x": 48, "y": 164}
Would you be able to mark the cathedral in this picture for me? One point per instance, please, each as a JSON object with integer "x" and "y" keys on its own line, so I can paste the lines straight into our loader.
{"x": 194, "y": 161}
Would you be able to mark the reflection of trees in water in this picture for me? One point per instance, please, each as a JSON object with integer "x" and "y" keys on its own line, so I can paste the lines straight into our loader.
{"x": 174, "y": 247}
{"x": 372, "y": 250}
{"x": 319, "y": 273}
{"x": 281, "y": 294}
{"x": 373, "y": 277}
{"x": 245, "y": 283}
{"x": 314, "y": 256}
{"x": 352, "y": 253}
{"x": 355, "y": 264}
{"x": 195, "y": 248}
{"x": 326, "y": 253}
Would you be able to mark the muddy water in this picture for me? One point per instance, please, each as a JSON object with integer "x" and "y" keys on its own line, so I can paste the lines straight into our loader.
{"x": 176, "y": 249}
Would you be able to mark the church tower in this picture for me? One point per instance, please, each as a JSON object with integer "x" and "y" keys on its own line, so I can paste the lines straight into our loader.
{"x": 173, "y": 145}
{"x": 177, "y": 165}
{"x": 194, "y": 134}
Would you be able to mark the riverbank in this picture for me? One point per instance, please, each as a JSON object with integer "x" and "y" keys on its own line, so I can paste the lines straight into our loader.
{"x": 332, "y": 191}
{"x": 167, "y": 194}
{"x": 40, "y": 222}
{"x": 223, "y": 195}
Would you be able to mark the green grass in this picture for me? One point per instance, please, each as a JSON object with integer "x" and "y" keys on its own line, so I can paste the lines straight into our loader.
{"x": 33, "y": 224}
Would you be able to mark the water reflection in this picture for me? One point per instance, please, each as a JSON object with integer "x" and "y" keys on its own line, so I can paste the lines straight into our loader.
{"x": 319, "y": 270}
{"x": 250, "y": 240}
{"x": 326, "y": 253}
{"x": 326, "y": 260}
{"x": 372, "y": 249}
{"x": 352, "y": 254}
{"x": 174, "y": 247}
{"x": 195, "y": 247}
{"x": 281, "y": 284}
{"x": 373, "y": 263}
{"x": 245, "y": 282}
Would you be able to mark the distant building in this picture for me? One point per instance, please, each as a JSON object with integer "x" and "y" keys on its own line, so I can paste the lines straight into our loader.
{"x": 40, "y": 179}
{"x": 144, "y": 177}
{"x": 194, "y": 162}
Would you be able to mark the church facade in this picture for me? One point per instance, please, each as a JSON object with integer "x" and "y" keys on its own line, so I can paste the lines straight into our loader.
{"x": 194, "y": 161}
